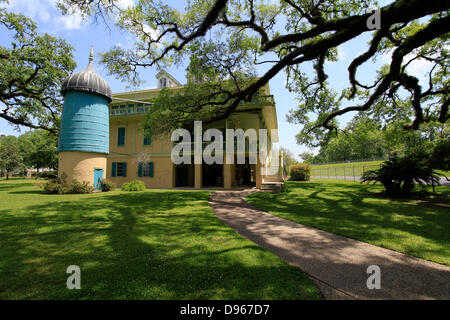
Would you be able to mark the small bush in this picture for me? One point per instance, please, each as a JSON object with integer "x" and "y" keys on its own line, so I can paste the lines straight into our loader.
{"x": 300, "y": 172}
{"x": 53, "y": 186}
{"x": 398, "y": 175}
{"x": 47, "y": 175}
{"x": 107, "y": 185}
{"x": 135, "y": 185}
{"x": 77, "y": 187}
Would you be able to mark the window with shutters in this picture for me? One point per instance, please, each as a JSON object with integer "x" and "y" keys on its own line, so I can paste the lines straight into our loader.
{"x": 119, "y": 169}
{"x": 145, "y": 169}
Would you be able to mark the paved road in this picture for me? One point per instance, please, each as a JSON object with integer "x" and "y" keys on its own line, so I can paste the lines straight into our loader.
{"x": 337, "y": 265}
{"x": 443, "y": 181}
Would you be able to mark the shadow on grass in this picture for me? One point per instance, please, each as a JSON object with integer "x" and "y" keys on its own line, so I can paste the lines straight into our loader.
{"x": 149, "y": 245}
{"x": 350, "y": 210}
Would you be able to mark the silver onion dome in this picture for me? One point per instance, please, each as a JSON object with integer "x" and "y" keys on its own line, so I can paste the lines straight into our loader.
{"x": 88, "y": 81}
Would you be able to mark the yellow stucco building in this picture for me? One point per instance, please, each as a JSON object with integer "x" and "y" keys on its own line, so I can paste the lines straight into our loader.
{"x": 132, "y": 155}
{"x": 102, "y": 136}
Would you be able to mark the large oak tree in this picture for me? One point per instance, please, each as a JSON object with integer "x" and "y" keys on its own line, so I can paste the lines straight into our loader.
{"x": 227, "y": 39}
{"x": 32, "y": 69}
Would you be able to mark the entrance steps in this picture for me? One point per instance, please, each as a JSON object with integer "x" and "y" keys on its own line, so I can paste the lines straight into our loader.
{"x": 274, "y": 187}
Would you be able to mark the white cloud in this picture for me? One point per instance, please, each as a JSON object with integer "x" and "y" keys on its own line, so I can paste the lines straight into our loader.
{"x": 341, "y": 54}
{"x": 45, "y": 11}
{"x": 154, "y": 34}
{"x": 418, "y": 68}
{"x": 125, "y": 3}
{"x": 72, "y": 21}
{"x": 34, "y": 9}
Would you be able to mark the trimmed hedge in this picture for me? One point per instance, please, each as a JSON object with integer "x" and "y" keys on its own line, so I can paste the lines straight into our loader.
{"x": 107, "y": 185}
{"x": 54, "y": 186}
{"x": 134, "y": 185}
{"x": 300, "y": 172}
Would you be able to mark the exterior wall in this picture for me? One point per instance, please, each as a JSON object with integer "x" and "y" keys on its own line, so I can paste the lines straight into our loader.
{"x": 163, "y": 172}
{"x": 249, "y": 116}
{"x": 80, "y": 166}
{"x": 134, "y": 151}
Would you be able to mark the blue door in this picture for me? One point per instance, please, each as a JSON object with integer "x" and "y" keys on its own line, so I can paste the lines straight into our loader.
{"x": 98, "y": 177}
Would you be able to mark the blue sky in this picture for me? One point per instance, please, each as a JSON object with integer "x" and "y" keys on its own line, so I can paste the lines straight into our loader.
{"x": 82, "y": 34}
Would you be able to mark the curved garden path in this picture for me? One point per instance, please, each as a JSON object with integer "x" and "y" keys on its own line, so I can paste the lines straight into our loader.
{"x": 338, "y": 265}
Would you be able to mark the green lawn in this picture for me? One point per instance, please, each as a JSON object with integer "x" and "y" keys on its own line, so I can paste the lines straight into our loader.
{"x": 356, "y": 211}
{"x": 156, "y": 244}
{"x": 351, "y": 169}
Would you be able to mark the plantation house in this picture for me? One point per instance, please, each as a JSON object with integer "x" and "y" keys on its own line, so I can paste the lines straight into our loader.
{"x": 102, "y": 137}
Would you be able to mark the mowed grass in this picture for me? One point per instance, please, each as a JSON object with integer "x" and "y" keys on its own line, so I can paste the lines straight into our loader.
{"x": 414, "y": 227}
{"x": 349, "y": 169}
{"x": 157, "y": 244}
{"x": 344, "y": 169}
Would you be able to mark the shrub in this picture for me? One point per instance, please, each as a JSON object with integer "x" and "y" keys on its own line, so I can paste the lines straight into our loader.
{"x": 77, "y": 187}
{"x": 398, "y": 175}
{"x": 53, "y": 186}
{"x": 107, "y": 185}
{"x": 440, "y": 156}
{"x": 300, "y": 172}
{"x": 135, "y": 185}
{"x": 47, "y": 175}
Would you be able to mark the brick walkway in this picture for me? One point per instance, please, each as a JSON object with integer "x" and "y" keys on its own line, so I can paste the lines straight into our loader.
{"x": 337, "y": 265}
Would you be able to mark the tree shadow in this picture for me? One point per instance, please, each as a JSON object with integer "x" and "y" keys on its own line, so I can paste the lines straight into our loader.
{"x": 147, "y": 245}
{"x": 346, "y": 209}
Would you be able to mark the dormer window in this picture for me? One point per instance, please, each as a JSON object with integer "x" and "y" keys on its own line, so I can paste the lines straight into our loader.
{"x": 165, "y": 80}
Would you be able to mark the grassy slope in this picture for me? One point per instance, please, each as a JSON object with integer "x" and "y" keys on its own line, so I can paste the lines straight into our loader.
{"x": 350, "y": 210}
{"x": 148, "y": 245}
{"x": 351, "y": 168}
{"x": 345, "y": 169}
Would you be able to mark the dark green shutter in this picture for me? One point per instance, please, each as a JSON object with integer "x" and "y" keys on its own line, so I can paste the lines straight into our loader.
{"x": 121, "y": 137}
{"x": 114, "y": 169}
{"x": 124, "y": 170}
{"x": 140, "y": 169}
{"x": 150, "y": 169}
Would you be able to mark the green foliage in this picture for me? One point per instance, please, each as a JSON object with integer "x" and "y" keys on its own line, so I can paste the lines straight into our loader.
{"x": 135, "y": 185}
{"x": 53, "y": 186}
{"x": 39, "y": 149}
{"x": 56, "y": 186}
{"x": 399, "y": 174}
{"x": 47, "y": 175}
{"x": 77, "y": 187}
{"x": 440, "y": 156}
{"x": 288, "y": 159}
{"x": 10, "y": 157}
{"x": 33, "y": 68}
{"x": 107, "y": 185}
{"x": 365, "y": 138}
{"x": 179, "y": 108}
{"x": 228, "y": 39}
{"x": 300, "y": 172}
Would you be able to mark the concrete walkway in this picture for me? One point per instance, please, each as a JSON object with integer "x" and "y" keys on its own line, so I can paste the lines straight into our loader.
{"x": 337, "y": 265}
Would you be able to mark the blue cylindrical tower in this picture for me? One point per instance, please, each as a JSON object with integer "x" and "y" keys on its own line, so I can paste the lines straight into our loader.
{"x": 84, "y": 133}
